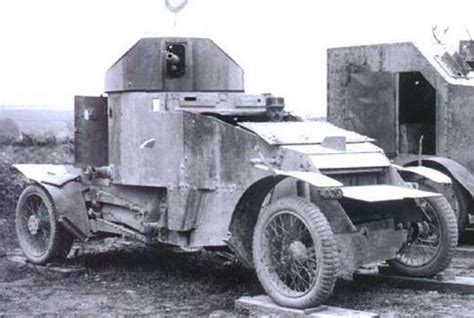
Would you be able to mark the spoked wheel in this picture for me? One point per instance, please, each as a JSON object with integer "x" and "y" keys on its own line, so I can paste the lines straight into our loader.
{"x": 41, "y": 237}
{"x": 457, "y": 198}
{"x": 431, "y": 242}
{"x": 295, "y": 253}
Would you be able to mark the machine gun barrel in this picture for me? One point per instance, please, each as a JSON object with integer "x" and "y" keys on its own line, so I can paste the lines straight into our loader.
{"x": 173, "y": 58}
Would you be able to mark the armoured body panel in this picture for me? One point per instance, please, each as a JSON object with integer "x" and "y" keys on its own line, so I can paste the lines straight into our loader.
{"x": 178, "y": 154}
{"x": 144, "y": 68}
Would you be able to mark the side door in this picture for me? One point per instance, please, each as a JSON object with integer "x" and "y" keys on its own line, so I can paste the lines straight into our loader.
{"x": 91, "y": 131}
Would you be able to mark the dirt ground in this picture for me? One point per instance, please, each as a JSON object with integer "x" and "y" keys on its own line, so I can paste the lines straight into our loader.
{"x": 124, "y": 278}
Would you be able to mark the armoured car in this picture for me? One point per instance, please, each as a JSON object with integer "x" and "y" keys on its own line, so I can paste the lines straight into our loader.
{"x": 177, "y": 153}
{"x": 416, "y": 101}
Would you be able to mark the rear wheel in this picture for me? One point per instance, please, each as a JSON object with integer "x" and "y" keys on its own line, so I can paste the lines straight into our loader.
{"x": 431, "y": 242}
{"x": 39, "y": 233}
{"x": 295, "y": 253}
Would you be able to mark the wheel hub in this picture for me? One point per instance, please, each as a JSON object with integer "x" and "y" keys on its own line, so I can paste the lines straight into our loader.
{"x": 33, "y": 224}
{"x": 423, "y": 229}
{"x": 298, "y": 251}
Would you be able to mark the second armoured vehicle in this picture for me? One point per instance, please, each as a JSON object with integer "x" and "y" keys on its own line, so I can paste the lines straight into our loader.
{"x": 417, "y": 101}
{"x": 178, "y": 154}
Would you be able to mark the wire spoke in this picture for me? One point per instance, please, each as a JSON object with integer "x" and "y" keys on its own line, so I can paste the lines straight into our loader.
{"x": 35, "y": 225}
{"x": 291, "y": 252}
{"x": 426, "y": 241}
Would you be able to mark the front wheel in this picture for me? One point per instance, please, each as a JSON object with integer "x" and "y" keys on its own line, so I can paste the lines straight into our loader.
{"x": 295, "y": 253}
{"x": 431, "y": 242}
{"x": 39, "y": 233}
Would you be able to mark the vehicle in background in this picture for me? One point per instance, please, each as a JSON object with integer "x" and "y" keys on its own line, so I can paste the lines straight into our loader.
{"x": 417, "y": 102}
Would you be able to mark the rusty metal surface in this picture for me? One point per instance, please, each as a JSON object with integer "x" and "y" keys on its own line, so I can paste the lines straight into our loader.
{"x": 91, "y": 131}
{"x": 208, "y": 68}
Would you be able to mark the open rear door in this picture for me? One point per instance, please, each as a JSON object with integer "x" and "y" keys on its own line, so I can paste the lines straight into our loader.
{"x": 91, "y": 131}
{"x": 370, "y": 107}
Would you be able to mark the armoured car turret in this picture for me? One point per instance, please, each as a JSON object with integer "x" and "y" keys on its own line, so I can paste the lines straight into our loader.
{"x": 177, "y": 153}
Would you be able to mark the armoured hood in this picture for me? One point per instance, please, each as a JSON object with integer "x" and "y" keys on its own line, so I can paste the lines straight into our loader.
{"x": 327, "y": 146}
{"x": 301, "y": 132}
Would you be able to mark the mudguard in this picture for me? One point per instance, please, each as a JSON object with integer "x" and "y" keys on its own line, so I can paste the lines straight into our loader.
{"x": 61, "y": 182}
{"x": 457, "y": 171}
{"x": 366, "y": 193}
{"x": 314, "y": 178}
{"x": 425, "y": 172}
{"x": 56, "y": 175}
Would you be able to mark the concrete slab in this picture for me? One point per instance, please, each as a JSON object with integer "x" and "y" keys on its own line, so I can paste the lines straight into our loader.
{"x": 446, "y": 275}
{"x": 465, "y": 251}
{"x": 263, "y": 305}
{"x": 444, "y": 282}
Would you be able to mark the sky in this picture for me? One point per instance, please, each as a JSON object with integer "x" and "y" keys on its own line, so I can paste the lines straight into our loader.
{"x": 51, "y": 50}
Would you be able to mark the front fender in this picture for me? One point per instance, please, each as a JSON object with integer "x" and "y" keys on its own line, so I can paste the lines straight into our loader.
{"x": 314, "y": 178}
{"x": 457, "y": 171}
{"x": 421, "y": 172}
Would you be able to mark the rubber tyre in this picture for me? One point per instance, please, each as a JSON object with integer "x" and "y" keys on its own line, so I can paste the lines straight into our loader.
{"x": 59, "y": 240}
{"x": 448, "y": 243}
{"x": 463, "y": 202}
{"x": 456, "y": 194}
{"x": 326, "y": 253}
